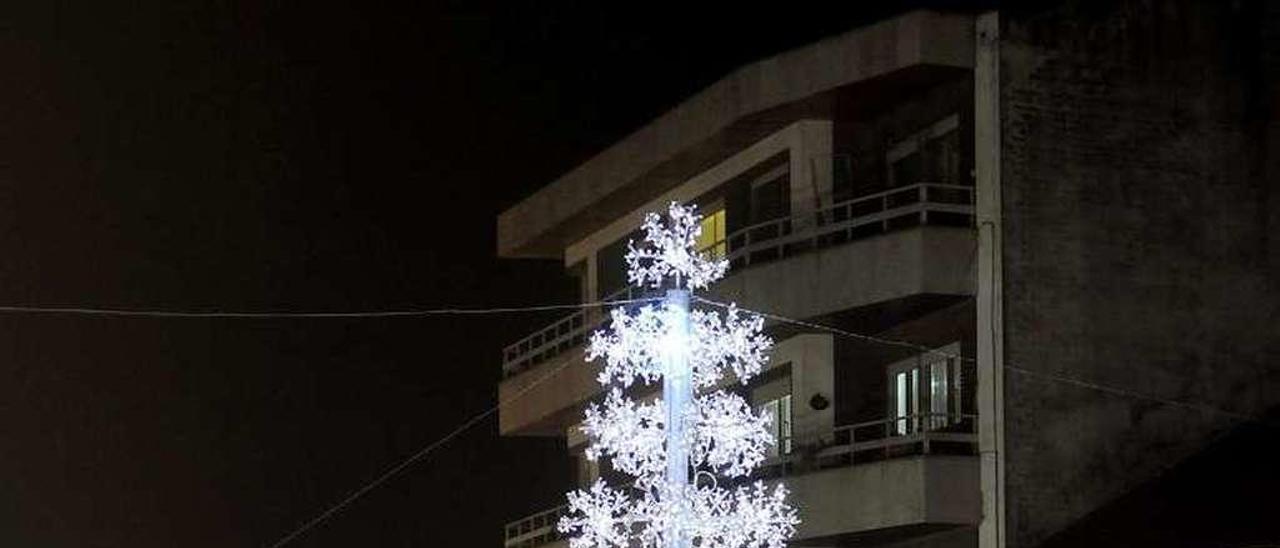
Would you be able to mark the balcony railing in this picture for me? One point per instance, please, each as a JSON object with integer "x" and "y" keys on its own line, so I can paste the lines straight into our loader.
{"x": 887, "y": 211}
{"x": 854, "y": 444}
{"x": 535, "y": 530}
{"x": 561, "y": 336}
{"x": 860, "y": 443}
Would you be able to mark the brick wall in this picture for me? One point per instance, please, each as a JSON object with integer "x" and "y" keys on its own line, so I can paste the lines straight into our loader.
{"x": 1141, "y": 237}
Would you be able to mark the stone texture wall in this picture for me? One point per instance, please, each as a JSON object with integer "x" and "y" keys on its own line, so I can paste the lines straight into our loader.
{"x": 1141, "y": 200}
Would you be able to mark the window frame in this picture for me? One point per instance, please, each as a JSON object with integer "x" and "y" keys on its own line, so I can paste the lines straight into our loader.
{"x": 919, "y": 400}
{"x": 913, "y": 144}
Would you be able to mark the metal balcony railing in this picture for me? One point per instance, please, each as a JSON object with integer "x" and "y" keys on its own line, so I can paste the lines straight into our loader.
{"x": 887, "y": 211}
{"x": 871, "y": 441}
{"x": 561, "y": 336}
{"x": 535, "y": 530}
{"x": 854, "y": 444}
{"x": 878, "y": 213}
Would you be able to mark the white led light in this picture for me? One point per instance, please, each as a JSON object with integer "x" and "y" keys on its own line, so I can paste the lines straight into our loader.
{"x": 717, "y": 432}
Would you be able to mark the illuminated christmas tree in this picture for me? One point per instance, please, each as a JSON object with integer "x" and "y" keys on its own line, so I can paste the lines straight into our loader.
{"x": 679, "y": 448}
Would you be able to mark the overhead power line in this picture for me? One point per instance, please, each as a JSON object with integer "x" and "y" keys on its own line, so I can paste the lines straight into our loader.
{"x": 415, "y": 457}
{"x": 1198, "y": 406}
{"x": 189, "y": 314}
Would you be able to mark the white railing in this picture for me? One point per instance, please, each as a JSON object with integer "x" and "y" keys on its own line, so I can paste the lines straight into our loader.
{"x": 561, "y": 336}
{"x": 535, "y": 530}
{"x": 899, "y": 208}
{"x": 854, "y": 444}
{"x": 886, "y": 211}
{"x": 871, "y": 441}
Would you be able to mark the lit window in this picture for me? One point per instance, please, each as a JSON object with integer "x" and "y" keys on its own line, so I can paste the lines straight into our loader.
{"x": 924, "y": 392}
{"x": 712, "y": 239}
{"x": 906, "y": 400}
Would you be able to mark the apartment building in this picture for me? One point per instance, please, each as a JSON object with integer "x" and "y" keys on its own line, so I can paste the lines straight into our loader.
{"x": 838, "y": 181}
{"x": 1073, "y": 221}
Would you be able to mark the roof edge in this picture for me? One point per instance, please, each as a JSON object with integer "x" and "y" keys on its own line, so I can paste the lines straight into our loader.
{"x": 921, "y": 37}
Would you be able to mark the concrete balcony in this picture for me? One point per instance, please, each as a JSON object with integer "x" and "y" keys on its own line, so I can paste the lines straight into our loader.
{"x": 885, "y": 481}
{"x": 888, "y": 246}
{"x": 851, "y": 258}
{"x": 866, "y": 484}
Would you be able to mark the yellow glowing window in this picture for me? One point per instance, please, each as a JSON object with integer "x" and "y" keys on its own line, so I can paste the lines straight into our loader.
{"x": 711, "y": 241}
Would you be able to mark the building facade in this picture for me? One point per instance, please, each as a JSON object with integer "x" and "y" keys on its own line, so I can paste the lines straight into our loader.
{"x": 941, "y": 211}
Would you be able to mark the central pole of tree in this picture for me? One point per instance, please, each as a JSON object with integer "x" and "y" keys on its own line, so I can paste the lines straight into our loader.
{"x": 677, "y": 393}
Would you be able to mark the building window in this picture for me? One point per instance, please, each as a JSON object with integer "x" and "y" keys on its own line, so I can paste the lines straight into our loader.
{"x": 931, "y": 155}
{"x": 779, "y": 413}
{"x": 906, "y": 399}
{"x": 770, "y": 197}
{"x": 772, "y": 398}
{"x": 924, "y": 392}
{"x": 711, "y": 242}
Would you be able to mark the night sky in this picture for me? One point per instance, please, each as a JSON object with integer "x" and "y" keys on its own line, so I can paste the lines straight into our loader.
{"x": 296, "y": 156}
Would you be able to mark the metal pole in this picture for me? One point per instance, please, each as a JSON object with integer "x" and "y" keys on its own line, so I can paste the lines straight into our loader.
{"x": 677, "y": 392}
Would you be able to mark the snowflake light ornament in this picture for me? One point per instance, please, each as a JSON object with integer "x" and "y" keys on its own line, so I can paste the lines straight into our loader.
{"x": 670, "y": 251}
{"x": 694, "y": 430}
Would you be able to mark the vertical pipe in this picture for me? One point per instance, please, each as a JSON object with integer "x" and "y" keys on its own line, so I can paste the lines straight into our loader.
{"x": 677, "y": 392}
{"x": 989, "y": 299}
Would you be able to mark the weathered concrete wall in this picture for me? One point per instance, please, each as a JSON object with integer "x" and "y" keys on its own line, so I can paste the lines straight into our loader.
{"x": 1140, "y": 147}
{"x": 893, "y": 493}
{"x": 930, "y": 259}
{"x": 810, "y": 356}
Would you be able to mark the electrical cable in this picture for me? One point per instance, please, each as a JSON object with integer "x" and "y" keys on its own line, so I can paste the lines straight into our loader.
{"x": 1050, "y": 376}
{"x": 474, "y": 420}
{"x": 220, "y": 314}
{"x": 147, "y": 313}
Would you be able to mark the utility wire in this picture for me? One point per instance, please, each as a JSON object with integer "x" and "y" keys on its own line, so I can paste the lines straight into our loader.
{"x": 414, "y": 458}
{"x": 413, "y": 312}
{"x": 222, "y": 314}
{"x": 1198, "y": 406}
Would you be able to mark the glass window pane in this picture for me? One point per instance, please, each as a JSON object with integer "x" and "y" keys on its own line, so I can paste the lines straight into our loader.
{"x": 914, "y": 389}
{"x": 956, "y": 408}
{"x": 770, "y": 411}
{"x": 784, "y": 424}
{"x": 938, "y": 405}
{"x": 711, "y": 239}
{"x": 900, "y": 393}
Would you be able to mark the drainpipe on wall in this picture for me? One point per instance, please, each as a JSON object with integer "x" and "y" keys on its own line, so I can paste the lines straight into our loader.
{"x": 990, "y": 336}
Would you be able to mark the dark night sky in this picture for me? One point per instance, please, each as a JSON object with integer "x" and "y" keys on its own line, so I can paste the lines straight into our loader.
{"x": 288, "y": 155}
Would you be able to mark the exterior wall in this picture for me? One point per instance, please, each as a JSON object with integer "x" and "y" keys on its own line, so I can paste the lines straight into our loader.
{"x": 810, "y": 356}
{"x": 549, "y": 393}
{"x": 960, "y": 537}
{"x": 930, "y": 259}
{"x": 1140, "y": 209}
{"x": 907, "y": 492}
